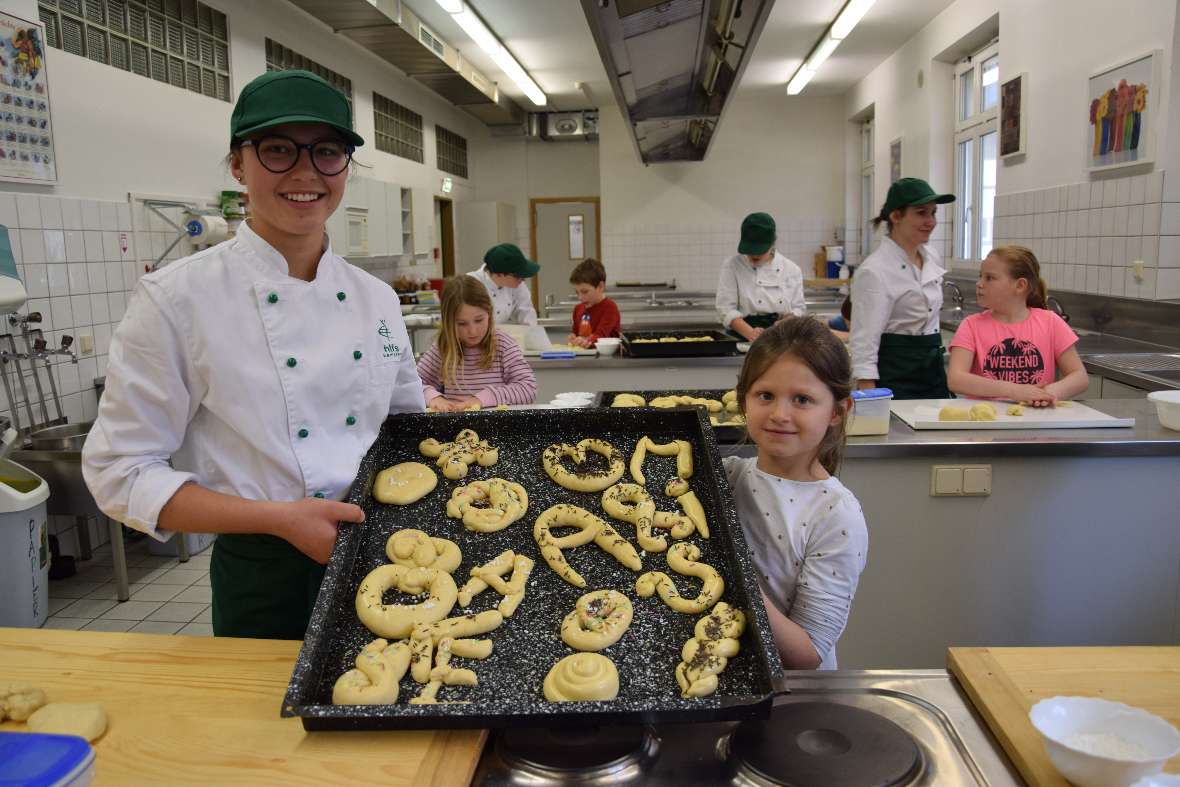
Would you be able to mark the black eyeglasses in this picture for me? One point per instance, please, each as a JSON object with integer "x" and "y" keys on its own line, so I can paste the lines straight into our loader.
{"x": 281, "y": 154}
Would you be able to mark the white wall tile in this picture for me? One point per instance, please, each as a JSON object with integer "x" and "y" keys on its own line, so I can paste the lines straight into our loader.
{"x": 102, "y": 338}
{"x": 94, "y": 250}
{"x": 102, "y": 365}
{"x": 124, "y": 218}
{"x": 114, "y": 276}
{"x": 1169, "y": 253}
{"x": 1120, "y": 220}
{"x": 1154, "y": 190}
{"x": 32, "y": 243}
{"x": 41, "y": 305}
{"x": 108, "y": 214}
{"x": 1135, "y": 220}
{"x": 1134, "y": 250}
{"x": 63, "y": 315}
{"x": 72, "y": 404}
{"x": 51, "y": 213}
{"x": 71, "y": 214}
{"x": 1138, "y": 189}
{"x": 8, "y": 214}
{"x": 91, "y": 216}
{"x": 67, "y": 379}
{"x": 100, "y": 308}
{"x": 1170, "y": 219}
{"x": 1105, "y": 250}
{"x": 1151, "y": 218}
{"x": 55, "y": 245}
{"x": 1110, "y": 195}
{"x": 1104, "y": 280}
{"x": 118, "y": 302}
{"x": 1150, "y": 251}
{"x": 1106, "y": 228}
{"x": 80, "y": 306}
{"x": 1123, "y": 191}
{"x": 1091, "y": 279}
{"x": 75, "y": 246}
{"x": 1118, "y": 282}
{"x": 110, "y": 246}
{"x": 79, "y": 284}
{"x": 1084, "y": 190}
{"x": 1119, "y": 251}
{"x": 1168, "y": 283}
{"x": 96, "y": 273}
{"x": 28, "y": 210}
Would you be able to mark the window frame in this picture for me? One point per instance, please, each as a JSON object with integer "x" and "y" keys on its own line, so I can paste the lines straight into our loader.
{"x": 398, "y": 130}
{"x": 867, "y": 137}
{"x": 973, "y": 128}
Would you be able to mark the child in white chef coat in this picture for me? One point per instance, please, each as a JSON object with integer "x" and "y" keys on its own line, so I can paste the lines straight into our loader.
{"x": 805, "y": 529}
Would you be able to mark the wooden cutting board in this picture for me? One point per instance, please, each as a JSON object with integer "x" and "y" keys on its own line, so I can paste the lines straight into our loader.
{"x": 923, "y": 414}
{"x": 205, "y": 710}
{"x": 1004, "y": 684}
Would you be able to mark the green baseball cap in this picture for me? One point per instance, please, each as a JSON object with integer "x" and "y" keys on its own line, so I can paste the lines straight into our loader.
{"x": 508, "y": 258}
{"x": 295, "y": 96}
{"x": 758, "y": 234}
{"x": 912, "y": 191}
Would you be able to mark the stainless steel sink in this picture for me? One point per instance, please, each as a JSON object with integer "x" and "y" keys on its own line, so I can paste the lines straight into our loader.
{"x": 67, "y": 437}
{"x": 1148, "y": 363}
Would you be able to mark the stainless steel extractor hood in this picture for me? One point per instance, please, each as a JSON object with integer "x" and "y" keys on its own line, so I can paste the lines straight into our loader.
{"x": 390, "y": 30}
{"x": 673, "y": 66}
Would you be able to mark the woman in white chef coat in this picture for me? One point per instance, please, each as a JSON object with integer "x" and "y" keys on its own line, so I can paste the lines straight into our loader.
{"x": 246, "y": 382}
{"x": 504, "y": 272}
{"x": 758, "y": 286}
{"x": 896, "y": 297}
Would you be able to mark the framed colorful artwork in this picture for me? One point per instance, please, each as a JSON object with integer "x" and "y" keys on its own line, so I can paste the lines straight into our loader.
{"x": 27, "y": 154}
{"x": 1123, "y": 99}
{"x": 1013, "y": 117}
{"x": 895, "y": 160}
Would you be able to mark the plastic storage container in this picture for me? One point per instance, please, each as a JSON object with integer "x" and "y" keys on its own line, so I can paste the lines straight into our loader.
{"x": 24, "y": 547}
{"x": 33, "y": 759}
{"x": 870, "y": 412}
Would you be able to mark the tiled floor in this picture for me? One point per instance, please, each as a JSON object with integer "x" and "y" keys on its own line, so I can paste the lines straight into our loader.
{"x": 167, "y": 597}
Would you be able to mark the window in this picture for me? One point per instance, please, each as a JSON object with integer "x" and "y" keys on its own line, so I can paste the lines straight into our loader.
{"x": 867, "y": 209}
{"x": 977, "y": 101}
{"x": 181, "y": 42}
{"x": 398, "y": 129}
{"x": 280, "y": 58}
{"x": 452, "y": 152}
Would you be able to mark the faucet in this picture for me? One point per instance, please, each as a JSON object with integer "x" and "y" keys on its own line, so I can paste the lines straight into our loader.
{"x": 956, "y": 293}
{"x": 1053, "y": 304}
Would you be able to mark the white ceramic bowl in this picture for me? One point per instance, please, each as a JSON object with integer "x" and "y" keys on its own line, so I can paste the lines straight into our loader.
{"x": 608, "y": 346}
{"x": 1167, "y": 405}
{"x": 1159, "y": 780}
{"x": 1099, "y": 743}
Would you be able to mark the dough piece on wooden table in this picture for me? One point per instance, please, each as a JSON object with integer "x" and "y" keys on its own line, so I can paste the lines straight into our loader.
{"x": 444, "y": 674}
{"x": 581, "y": 677}
{"x": 1015, "y": 409}
{"x": 952, "y": 413}
{"x": 18, "y": 701}
{"x": 491, "y": 575}
{"x": 427, "y": 635}
{"x": 590, "y": 528}
{"x": 631, "y": 503}
{"x": 628, "y": 400}
{"x": 982, "y": 412}
{"x": 682, "y": 558}
{"x": 587, "y": 481}
{"x": 396, "y": 621}
{"x": 404, "y": 483}
{"x": 507, "y": 502}
{"x": 599, "y": 619}
{"x": 84, "y": 719}
{"x": 379, "y": 669}
{"x": 681, "y": 449}
{"x": 415, "y": 549}
{"x": 457, "y": 456}
{"x": 714, "y": 643}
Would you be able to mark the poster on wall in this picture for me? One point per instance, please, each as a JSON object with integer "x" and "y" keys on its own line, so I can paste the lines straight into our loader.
{"x": 26, "y": 133}
{"x": 577, "y": 240}
{"x": 895, "y": 160}
{"x": 1013, "y": 122}
{"x": 1122, "y": 102}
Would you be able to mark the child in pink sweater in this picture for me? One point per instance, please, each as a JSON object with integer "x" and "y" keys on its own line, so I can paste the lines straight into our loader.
{"x": 472, "y": 363}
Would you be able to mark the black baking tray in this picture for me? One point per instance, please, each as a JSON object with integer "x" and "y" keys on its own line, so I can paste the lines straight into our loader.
{"x": 528, "y": 644}
{"x": 723, "y": 344}
{"x": 726, "y": 435}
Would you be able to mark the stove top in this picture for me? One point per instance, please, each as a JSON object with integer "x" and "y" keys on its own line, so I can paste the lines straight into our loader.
{"x": 874, "y": 727}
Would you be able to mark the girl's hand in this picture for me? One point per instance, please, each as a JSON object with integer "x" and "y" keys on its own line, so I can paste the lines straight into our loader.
{"x": 571, "y": 339}
{"x": 464, "y": 402}
{"x": 1034, "y": 395}
{"x": 441, "y": 403}
{"x": 754, "y": 333}
{"x": 310, "y": 525}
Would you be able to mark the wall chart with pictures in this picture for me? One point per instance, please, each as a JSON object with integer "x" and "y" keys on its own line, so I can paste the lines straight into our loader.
{"x": 26, "y": 133}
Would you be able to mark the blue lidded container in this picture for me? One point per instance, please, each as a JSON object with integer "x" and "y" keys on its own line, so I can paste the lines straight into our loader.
{"x": 870, "y": 412}
{"x": 34, "y": 759}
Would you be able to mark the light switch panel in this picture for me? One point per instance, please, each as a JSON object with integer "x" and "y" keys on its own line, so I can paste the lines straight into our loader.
{"x": 977, "y": 480}
{"x": 946, "y": 481}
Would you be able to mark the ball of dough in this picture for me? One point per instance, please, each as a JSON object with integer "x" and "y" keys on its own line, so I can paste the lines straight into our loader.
{"x": 951, "y": 413}
{"x": 982, "y": 412}
{"x": 18, "y": 701}
{"x": 1015, "y": 409}
{"x": 582, "y": 676}
{"x": 404, "y": 483}
{"x": 85, "y": 719}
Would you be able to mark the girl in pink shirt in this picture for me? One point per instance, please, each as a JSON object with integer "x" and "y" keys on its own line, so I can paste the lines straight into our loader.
{"x": 472, "y": 363}
{"x": 1014, "y": 349}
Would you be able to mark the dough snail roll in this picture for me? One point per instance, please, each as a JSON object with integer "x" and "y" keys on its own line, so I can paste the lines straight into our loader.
{"x": 580, "y": 677}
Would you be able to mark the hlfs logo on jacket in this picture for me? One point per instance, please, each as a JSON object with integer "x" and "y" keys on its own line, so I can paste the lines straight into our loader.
{"x": 388, "y": 350}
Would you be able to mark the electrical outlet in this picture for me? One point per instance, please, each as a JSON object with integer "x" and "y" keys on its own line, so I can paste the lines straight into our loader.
{"x": 1137, "y": 266}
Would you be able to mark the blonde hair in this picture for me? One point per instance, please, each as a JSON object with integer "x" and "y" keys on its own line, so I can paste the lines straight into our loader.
{"x": 811, "y": 342}
{"x": 458, "y": 292}
{"x": 1022, "y": 264}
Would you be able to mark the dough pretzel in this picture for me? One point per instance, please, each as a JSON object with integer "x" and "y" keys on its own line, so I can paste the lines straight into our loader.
{"x": 714, "y": 643}
{"x": 712, "y": 405}
{"x": 426, "y": 635}
{"x": 404, "y": 483}
{"x": 628, "y": 400}
{"x": 730, "y": 401}
{"x": 396, "y": 621}
{"x": 415, "y": 549}
{"x": 444, "y": 673}
{"x": 681, "y": 449}
{"x": 582, "y": 676}
{"x": 682, "y": 558}
{"x": 591, "y": 529}
{"x": 455, "y": 457}
{"x": 590, "y": 481}
{"x": 693, "y": 509}
{"x": 631, "y": 503}
{"x": 599, "y": 619}
{"x": 379, "y": 669}
{"x": 507, "y": 503}
{"x": 675, "y": 487}
{"x": 490, "y": 574}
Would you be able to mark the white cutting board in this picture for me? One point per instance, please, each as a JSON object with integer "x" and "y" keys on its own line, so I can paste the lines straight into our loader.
{"x": 923, "y": 414}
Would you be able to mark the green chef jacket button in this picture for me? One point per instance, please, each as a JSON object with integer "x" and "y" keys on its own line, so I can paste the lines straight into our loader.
{"x": 303, "y": 433}
{"x": 291, "y": 362}
{"x": 272, "y": 298}
{"x": 356, "y": 355}
{"x": 340, "y": 296}
{"x": 350, "y": 420}
{"x": 319, "y": 495}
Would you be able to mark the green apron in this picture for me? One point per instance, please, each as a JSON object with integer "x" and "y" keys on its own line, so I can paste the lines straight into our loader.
{"x": 262, "y": 587}
{"x": 912, "y": 366}
{"x": 756, "y": 321}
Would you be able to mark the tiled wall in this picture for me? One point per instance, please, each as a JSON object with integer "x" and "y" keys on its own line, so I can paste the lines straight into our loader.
{"x": 1088, "y": 235}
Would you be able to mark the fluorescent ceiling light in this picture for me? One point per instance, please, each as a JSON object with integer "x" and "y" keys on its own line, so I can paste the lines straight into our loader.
{"x": 821, "y": 52}
{"x": 799, "y": 81}
{"x": 451, "y": 6}
{"x": 509, "y": 66}
{"x": 477, "y": 30}
{"x": 853, "y": 12}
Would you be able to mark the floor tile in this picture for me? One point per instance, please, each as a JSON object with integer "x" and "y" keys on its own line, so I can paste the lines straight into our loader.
{"x": 109, "y": 625}
{"x": 197, "y": 594}
{"x": 131, "y": 610}
{"x": 158, "y": 561}
{"x": 179, "y": 576}
{"x": 203, "y": 581}
{"x": 57, "y": 604}
{"x": 72, "y": 588}
{"x": 111, "y": 591}
{"x": 176, "y": 611}
{"x": 157, "y": 592}
{"x": 206, "y": 616}
{"x": 197, "y": 630}
{"x": 146, "y": 574}
{"x": 198, "y": 563}
{"x": 72, "y": 624}
{"x": 95, "y": 574}
{"x": 157, "y": 627}
{"x": 87, "y": 608}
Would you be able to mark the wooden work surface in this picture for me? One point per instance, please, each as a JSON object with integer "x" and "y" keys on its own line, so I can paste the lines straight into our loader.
{"x": 1004, "y": 684}
{"x": 205, "y": 710}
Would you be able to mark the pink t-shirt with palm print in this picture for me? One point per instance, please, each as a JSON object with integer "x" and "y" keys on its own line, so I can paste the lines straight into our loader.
{"x": 1024, "y": 352}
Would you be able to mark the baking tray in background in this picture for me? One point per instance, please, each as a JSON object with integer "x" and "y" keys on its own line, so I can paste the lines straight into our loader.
{"x": 726, "y": 435}
{"x": 528, "y": 643}
{"x": 722, "y": 344}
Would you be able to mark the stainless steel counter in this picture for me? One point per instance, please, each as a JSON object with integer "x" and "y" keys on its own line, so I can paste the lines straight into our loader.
{"x": 616, "y": 363}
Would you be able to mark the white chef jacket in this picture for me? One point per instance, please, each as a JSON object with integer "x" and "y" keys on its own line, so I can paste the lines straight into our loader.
{"x": 890, "y": 295}
{"x": 775, "y": 287}
{"x": 246, "y": 378}
{"x": 509, "y": 304}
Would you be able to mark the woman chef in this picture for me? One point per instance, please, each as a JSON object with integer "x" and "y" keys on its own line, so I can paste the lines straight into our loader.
{"x": 758, "y": 286}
